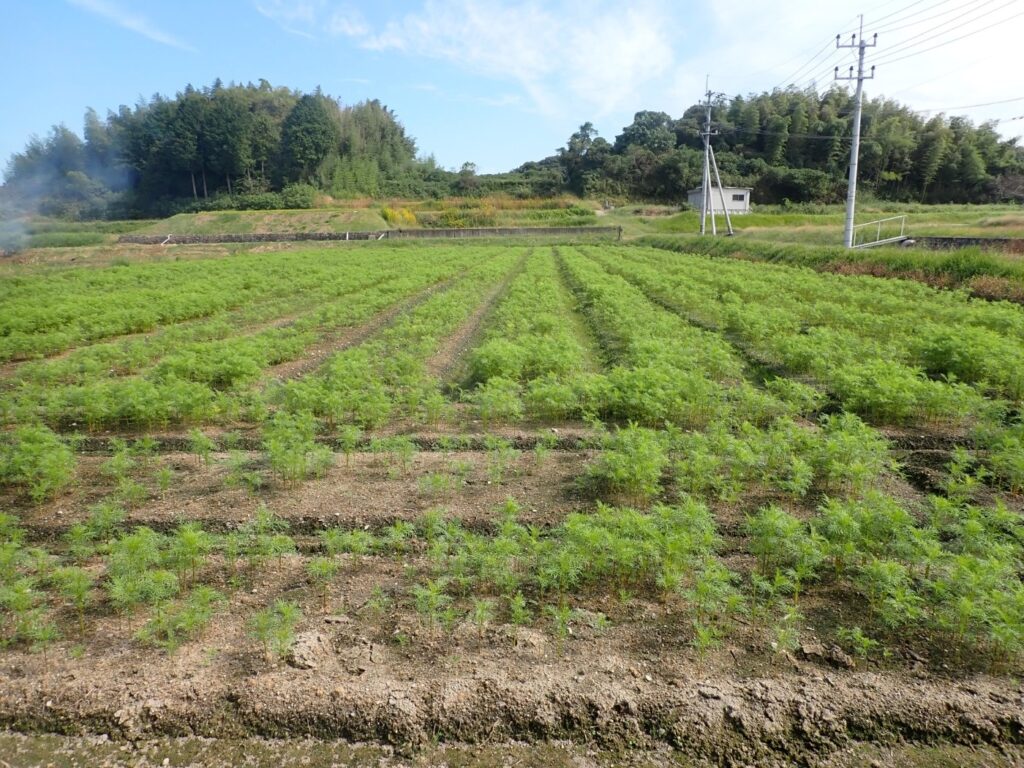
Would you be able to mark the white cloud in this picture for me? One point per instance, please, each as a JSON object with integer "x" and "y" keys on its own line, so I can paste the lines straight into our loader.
{"x": 566, "y": 56}
{"x": 597, "y": 59}
{"x": 131, "y": 21}
{"x": 290, "y": 13}
{"x": 752, "y": 48}
{"x": 349, "y": 22}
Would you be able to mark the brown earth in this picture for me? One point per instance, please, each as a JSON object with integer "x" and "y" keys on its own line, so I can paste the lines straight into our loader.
{"x": 382, "y": 675}
{"x": 389, "y": 678}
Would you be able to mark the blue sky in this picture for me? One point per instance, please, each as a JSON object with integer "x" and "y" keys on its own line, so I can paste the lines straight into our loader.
{"x": 495, "y": 82}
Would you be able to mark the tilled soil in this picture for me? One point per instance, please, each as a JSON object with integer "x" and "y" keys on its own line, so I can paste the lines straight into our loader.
{"x": 366, "y": 490}
{"x": 422, "y": 695}
{"x": 506, "y": 684}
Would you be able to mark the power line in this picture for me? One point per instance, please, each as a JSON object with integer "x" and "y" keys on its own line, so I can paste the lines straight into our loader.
{"x": 901, "y": 10}
{"x": 945, "y": 27}
{"x": 793, "y": 78}
{"x": 953, "y": 40}
{"x": 940, "y": 76}
{"x": 973, "y": 106}
{"x": 880, "y": 26}
{"x": 792, "y": 59}
{"x": 889, "y": 29}
{"x": 810, "y": 136}
{"x": 837, "y": 55}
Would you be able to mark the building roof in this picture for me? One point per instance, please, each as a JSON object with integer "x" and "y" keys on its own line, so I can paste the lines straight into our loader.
{"x": 724, "y": 189}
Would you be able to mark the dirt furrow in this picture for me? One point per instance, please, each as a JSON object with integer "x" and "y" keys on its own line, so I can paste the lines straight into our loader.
{"x": 452, "y": 352}
{"x": 317, "y": 354}
{"x": 354, "y": 693}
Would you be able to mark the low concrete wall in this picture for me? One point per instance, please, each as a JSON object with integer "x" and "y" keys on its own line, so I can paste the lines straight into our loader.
{"x": 388, "y": 234}
{"x": 264, "y": 237}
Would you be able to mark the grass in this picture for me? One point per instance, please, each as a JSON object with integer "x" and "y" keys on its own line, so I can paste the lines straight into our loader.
{"x": 40, "y": 232}
{"x": 824, "y": 225}
{"x": 250, "y": 222}
{"x": 986, "y": 274}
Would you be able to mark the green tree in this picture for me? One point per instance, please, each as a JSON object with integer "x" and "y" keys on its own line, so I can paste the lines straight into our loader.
{"x": 309, "y": 133}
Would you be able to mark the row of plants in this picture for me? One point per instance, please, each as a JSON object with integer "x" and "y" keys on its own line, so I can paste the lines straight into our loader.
{"x": 659, "y": 368}
{"x": 388, "y": 375}
{"x": 902, "y": 354}
{"x": 985, "y": 273}
{"x": 821, "y": 324}
{"x": 533, "y": 344}
{"x": 948, "y": 574}
{"x": 219, "y": 379}
{"x": 102, "y": 568}
{"x": 303, "y": 302}
{"x": 54, "y": 309}
{"x": 842, "y": 456}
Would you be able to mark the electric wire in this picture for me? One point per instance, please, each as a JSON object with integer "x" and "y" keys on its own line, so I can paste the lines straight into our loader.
{"x": 974, "y": 106}
{"x": 943, "y": 28}
{"x": 792, "y": 59}
{"x": 897, "y": 24}
{"x": 891, "y": 57}
{"x": 900, "y": 10}
{"x": 793, "y": 78}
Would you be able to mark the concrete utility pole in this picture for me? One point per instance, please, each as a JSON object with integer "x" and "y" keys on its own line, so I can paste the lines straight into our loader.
{"x": 710, "y": 163}
{"x": 851, "y": 190}
{"x": 705, "y": 196}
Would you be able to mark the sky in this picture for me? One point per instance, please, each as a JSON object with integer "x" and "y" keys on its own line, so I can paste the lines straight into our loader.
{"x": 499, "y": 83}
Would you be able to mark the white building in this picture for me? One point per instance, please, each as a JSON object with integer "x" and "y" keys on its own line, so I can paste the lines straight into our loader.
{"x": 737, "y": 199}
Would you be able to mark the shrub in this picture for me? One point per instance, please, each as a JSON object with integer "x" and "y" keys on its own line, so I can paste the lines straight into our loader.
{"x": 298, "y": 196}
{"x": 292, "y": 449}
{"x": 35, "y": 458}
{"x": 274, "y": 627}
{"x": 631, "y": 464}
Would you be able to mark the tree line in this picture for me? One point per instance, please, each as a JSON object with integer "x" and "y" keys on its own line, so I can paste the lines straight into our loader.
{"x": 254, "y": 146}
{"x": 795, "y": 145}
{"x": 259, "y": 146}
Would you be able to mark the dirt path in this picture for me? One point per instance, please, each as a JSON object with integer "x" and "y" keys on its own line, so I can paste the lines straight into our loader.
{"x": 509, "y": 684}
{"x": 451, "y": 354}
{"x": 317, "y": 354}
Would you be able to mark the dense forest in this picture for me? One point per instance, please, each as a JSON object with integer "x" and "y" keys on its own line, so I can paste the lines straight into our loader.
{"x": 257, "y": 146}
{"x": 248, "y": 146}
{"x": 795, "y": 145}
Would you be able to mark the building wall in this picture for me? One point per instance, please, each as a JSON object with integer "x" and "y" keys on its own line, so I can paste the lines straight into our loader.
{"x": 734, "y": 206}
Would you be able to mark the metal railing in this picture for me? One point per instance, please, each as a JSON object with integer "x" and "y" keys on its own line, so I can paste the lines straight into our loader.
{"x": 862, "y": 230}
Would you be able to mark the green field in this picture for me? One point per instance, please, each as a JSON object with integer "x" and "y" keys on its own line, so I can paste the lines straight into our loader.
{"x": 448, "y": 445}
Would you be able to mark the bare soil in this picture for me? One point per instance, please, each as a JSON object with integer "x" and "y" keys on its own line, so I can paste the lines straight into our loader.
{"x": 390, "y": 679}
{"x": 635, "y": 693}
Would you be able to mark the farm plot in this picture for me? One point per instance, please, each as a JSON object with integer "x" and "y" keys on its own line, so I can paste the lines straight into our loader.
{"x": 622, "y": 474}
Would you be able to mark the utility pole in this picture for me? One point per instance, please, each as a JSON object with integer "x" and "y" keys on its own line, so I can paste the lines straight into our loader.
{"x": 851, "y": 190}
{"x": 705, "y": 193}
{"x": 710, "y": 163}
